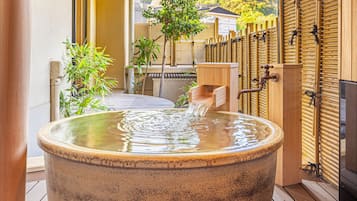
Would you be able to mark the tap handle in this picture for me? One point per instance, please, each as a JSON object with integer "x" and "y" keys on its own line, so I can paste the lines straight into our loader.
{"x": 266, "y": 66}
{"x": 255, "y": 80}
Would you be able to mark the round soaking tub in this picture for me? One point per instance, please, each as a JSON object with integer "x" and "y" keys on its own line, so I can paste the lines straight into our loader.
{"x": 160, "y": 155}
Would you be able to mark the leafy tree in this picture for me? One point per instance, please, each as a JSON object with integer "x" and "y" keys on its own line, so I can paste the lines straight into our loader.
{"x": 178, "y": 18}
{"x": 250, "y": 11}
{"x": 207, "y": 2}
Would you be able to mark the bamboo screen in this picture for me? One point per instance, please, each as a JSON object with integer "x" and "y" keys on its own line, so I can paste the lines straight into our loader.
{"x": 315, "y": 45}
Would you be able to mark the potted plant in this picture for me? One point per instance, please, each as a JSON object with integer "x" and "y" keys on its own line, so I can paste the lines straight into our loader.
{"x": 146, "y": 52}
{"x": 85, "y": 68}
{"x": 178, "y": 18}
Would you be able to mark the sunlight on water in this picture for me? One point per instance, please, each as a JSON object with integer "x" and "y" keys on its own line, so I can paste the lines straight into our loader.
{"x": 162, "y": 131}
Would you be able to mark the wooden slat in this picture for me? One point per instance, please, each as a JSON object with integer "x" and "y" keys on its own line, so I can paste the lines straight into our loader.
{"x": 280, "y": 194}
{"x": 317, "y": 191}
{"x": 298, "y": 193}
{"x": 332, "y": 190}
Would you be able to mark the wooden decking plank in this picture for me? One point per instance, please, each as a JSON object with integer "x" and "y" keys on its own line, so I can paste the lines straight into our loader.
{"x": 30, "y": 185}
{"x": 37, "y": 192}
{"x": 317, "y": 191}
{"x": 279, "y": 194}
{"x": 298, "y": 193}
{"x": 330, "y": 189}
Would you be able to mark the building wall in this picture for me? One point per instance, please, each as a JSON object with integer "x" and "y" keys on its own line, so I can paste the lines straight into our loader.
{"x": 51, "y": 24}
{"x": 110, "y": 33}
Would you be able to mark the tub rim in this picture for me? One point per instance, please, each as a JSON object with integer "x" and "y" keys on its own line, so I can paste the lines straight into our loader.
{"x": 159, "y": 161}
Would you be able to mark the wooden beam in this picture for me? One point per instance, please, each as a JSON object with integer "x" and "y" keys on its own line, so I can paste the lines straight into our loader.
{"x": 354, "y": 40}
{"x": 346, "y": 38}
{"x": 14, "y": 82}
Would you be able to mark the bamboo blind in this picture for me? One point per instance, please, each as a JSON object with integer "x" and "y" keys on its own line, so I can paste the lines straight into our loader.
{"x": 308, "y": 58}
{"x": 329, "y": 117}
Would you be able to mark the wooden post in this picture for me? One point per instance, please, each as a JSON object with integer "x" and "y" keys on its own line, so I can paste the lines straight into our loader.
{"x": 14, "y": 82}
{"x": 280, "y": 32}
{"x": 216, "y": 28}
{"x": 285, "y": 110}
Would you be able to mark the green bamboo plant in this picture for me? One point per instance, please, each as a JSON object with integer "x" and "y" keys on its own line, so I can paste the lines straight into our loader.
{"x": 85, "y": 68}
{"x": 146, "y": 51}
{"x": 182, "y": 100}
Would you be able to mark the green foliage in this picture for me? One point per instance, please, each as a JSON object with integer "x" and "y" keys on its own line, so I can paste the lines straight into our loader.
{"x": 178, "y": 18}
{"x": 85, "y": 68}
{"x": 146, "y": 51}
{"x": 251, "y": 11}
{"x": 182, "y": 100}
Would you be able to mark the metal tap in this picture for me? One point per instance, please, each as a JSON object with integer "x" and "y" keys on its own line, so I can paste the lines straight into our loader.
{"x": 263, "y": 81}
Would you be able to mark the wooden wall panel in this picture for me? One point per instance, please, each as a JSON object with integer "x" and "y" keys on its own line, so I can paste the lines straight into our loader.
{"x": 348, "y": 38}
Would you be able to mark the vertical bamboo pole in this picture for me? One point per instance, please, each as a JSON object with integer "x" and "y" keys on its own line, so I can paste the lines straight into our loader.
{"x": 267, "y": 61}
{"x": 248, "y": 34}
{"x": 219, "y": 48}
{"x": 280, "y": 32}
{"x": 297, "y": 26}
{"x": 216, "y": 24}
{"x": 14, "y": 82}
{"x": 317, "y": 87}
{"x": 241, "y": 68}
{"x": 257, "y": 64}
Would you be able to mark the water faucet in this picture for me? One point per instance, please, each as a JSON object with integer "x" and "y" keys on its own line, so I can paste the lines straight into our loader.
{"x": 263, "y": 80}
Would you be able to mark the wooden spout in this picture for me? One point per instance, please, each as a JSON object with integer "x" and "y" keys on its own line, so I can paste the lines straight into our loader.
{"x": 214, "y": 96}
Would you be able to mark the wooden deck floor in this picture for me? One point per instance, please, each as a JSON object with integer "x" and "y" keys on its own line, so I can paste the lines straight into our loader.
{"x": 307, "y": 191}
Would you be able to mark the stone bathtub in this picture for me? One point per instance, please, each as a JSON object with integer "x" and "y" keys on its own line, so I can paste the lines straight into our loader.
{"x": 160, "y": 155}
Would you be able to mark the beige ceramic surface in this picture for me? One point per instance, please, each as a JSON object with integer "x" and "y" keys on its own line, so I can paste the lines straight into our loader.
{"x": 86, "y": 168}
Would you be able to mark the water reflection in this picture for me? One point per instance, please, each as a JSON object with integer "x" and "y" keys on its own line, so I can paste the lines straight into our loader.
{"x": 161, "y": 131}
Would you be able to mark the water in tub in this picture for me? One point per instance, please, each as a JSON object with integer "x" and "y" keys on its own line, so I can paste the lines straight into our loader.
{"x": 164, "y": 131}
